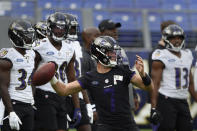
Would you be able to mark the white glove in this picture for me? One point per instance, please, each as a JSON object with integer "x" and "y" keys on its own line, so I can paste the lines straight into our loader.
{"x": 14, "y": 121}
{"x": 90, "y": 112}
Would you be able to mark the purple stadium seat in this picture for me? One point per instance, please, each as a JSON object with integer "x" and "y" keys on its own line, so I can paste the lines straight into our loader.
{"x": 48, "y": 4}
{"x": 71, "y": 4}
{"x": 147, "y": 4}
{"x": 121, "y": 4}
{"x": 129, "y": 20}
{"x": 96, "y": 4}
{"x": 98, "y": 16}
{"x": 192, "y": 4}
{"x": 193, "y": 17}
{"x": 174, "y": 4}
{"x": 181, "y": 18}
{"x": 154, "y": 21}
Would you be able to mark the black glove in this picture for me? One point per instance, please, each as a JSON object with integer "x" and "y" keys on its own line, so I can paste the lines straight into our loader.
{"x": 155, "y": 116}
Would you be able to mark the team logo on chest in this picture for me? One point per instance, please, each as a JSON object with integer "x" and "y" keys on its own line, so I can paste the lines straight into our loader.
{"x": 50, "y": 53}
{"x": 106, "y": 81}
{"x": 19, "y": 60}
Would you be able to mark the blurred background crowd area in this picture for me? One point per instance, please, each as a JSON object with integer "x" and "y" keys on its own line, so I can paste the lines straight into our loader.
{"x": 140, "y": 19}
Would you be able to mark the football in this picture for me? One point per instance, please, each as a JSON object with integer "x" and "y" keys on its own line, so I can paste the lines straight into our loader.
{"x": 43, "y": 74}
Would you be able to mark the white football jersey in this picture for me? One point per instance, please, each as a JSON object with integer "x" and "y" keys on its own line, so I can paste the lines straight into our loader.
{"x": 195, "y": 77}
{"x": 61, "y": 57}
{"x": 20, "y": 78}
{"x": 175, "y": 79}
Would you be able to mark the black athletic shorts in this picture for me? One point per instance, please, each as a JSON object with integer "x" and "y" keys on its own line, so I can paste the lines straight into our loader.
{"x": 70, "y": 109}
{"x": 51, "y": 111}
{"x": 26, "y": 114}
{"x": 175, "y": 114}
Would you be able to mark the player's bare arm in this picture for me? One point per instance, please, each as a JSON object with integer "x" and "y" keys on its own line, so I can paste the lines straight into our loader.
{"x": 139, "y": 82}
{"x": 156, "y": 73}
{"x": 5, "y": 69}
{"x": 70, "y": 71}
{"x": 191, "y": 87}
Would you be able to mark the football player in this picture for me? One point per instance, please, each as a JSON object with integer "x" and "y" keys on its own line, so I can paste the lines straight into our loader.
{"x": 172, "y": 77}
{"x": 51, "y": 108}
{"x": 40, "y": 32}
{"x": 108, "y": 85}
{"x": 86, "y": 108}
{"x": 110, "y": 28}
{"x": 16, "y": 66}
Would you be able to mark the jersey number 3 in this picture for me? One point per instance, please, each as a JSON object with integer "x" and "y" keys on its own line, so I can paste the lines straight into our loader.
{"x": 178, "y": 78}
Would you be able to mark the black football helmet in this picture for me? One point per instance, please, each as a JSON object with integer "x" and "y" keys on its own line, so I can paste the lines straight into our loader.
{"x": 21, "y": 34}
{"x": 73, "y": 27}
{"x": 100, "y": 48}
{"x": 57, "y": 26}
{"x": 41, "y": 29}
{"x": 170, "y": 32}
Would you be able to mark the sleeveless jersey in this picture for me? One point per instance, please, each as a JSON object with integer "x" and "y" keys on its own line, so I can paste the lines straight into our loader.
{"x": 175, "y": 77}
{"x": 20, "y": 78}
{"x": 61, "y": 57}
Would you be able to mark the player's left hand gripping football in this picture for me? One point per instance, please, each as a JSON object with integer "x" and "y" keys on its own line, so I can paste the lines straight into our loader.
{"x": 140, "y": 65}
{"x": 76, "y": 118}
{"x": 155, "y": 116}
{"x": 14, "y": 121}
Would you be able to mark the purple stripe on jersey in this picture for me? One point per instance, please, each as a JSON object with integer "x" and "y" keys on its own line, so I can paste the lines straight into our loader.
{"x": 133, "y": 73}
{"x": 81, "y": 84}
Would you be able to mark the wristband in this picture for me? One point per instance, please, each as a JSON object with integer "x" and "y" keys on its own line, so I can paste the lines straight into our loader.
{"x": 146, "y": 80}
{"x": 53, "y": 81}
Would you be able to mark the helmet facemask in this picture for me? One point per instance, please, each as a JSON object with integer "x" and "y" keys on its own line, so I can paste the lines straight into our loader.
{"x": 22, "y": 36}
{"x": 73, "y": 31}
{"x": 57, "y": 26}
{"x": 171, "y": 32}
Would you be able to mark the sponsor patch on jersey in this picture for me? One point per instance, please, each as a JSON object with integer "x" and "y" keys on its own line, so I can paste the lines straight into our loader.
{"x": 3, "y": 53}
{"x": 50, "y": 53}
{"x": 158, "y": 53}
{"x": 94, "y": 82}
{"x": 19, "y": 60}
{"x": 171, "y": 60}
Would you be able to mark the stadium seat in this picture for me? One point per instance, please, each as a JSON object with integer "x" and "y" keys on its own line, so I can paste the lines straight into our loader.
{"x": 129, "y": 20}
{"x": 193, "y": 18}
{"x": 96, "y": 4}
{"x": 174, "y": 4}
{"x": 46, "y": 13}
{"x": 71, "y": 4}
{"x": 180, "y": 18}
{"x": 24, "y": 14}
{"x": 154, "y": 21}
{"x": 48, "y": 4}
{"x": 143, "y": 4}
{"x": 121, "y": 4}
{"x": 192, "y": 4}
{"x": 98, "y": 16}
{"x": 130, "y": 38}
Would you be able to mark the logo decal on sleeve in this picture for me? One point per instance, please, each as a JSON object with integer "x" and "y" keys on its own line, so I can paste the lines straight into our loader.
{"x": 3, "y": 53}
{"x": 158, "y": 53}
